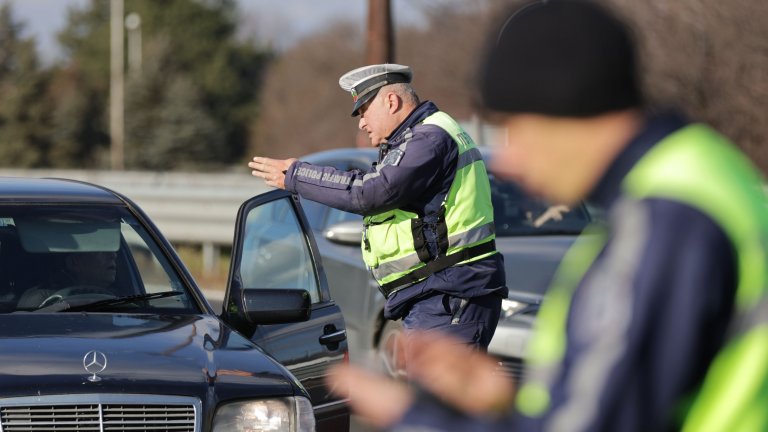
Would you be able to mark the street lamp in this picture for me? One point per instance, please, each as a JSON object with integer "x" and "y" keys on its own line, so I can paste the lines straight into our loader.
{"x": 133, "y": 25}
{"x": 116, "y": 90}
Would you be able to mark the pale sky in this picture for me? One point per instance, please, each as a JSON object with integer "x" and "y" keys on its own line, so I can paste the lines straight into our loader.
{"x": 280, "y": 22}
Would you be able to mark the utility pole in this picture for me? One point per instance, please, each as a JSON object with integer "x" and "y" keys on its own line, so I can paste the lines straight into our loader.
{"x": 380, "y": 46}
{"x": 380, "y": 42}
{"x": 116, "y": 88}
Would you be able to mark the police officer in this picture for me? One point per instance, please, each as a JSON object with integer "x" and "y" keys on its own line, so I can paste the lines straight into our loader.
{"x": 657, "y": 321}
{"x": 428, "y": 228}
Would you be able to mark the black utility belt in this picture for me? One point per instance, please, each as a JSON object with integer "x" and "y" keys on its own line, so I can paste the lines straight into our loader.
{"x": 434, "y": 266}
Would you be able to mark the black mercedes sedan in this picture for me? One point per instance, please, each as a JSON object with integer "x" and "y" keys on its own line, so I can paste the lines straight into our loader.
{"x": 102, "y": 327}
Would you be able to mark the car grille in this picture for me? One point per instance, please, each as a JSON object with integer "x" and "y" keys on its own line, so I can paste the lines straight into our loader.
{"x": 103, "y": 413}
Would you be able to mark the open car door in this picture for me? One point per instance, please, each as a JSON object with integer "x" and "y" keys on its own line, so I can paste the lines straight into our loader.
{"x": 274, "y": 255}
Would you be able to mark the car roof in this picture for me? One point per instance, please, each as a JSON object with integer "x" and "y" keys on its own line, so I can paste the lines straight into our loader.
{"x": 50, "y": 190}
{"x": 364, "y": 154}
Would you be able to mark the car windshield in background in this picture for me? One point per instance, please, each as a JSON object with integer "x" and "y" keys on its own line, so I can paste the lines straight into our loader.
{"x": 58, "y": 258}
{"x": 517, "y": 214}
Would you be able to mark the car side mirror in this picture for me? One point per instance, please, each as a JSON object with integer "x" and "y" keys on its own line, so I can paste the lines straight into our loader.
{"x": 349, "y": 233}
{"x": 276, "y": 306}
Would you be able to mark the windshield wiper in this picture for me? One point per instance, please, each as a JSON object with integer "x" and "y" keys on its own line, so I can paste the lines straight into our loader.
{"x": 107, "y": 303}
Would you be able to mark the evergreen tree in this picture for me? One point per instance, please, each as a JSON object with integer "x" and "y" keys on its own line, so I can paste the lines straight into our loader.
{"x": 167, "y": 118}
{"x": 23, "y": 113}
{"x": 196, "y": 74}
{"x": 78, "y": 131}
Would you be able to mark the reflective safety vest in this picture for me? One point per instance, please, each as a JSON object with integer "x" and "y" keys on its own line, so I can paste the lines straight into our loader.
{"x": 698, "y": 167}
{"x": 394, "y": 246}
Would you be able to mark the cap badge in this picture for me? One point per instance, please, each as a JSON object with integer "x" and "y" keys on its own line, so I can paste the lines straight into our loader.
{"x": 354, "y": 95}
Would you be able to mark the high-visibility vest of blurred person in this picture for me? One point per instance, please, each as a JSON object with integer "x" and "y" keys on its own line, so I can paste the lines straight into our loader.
{"x": 698, "y": 167}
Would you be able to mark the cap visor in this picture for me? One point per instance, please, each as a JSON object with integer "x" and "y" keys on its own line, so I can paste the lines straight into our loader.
{"x": 361, "y": 101}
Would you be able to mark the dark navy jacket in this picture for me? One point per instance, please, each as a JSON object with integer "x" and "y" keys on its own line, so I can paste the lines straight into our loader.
{"x": 658, "y": 299}
{"x": 415, "y": 171}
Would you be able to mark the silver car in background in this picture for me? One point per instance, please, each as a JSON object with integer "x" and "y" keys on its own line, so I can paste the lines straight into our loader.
{"x": 532, "y": 235}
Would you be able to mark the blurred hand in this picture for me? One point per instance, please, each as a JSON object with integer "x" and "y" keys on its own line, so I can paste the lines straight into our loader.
{"x": 462, "y": 377}
{"x": 380, "y": 401}
{"x": 271, "y": 170}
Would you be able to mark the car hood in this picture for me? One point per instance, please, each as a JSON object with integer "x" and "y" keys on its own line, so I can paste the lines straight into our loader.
{"x": 530, "y": 262}
{"x": 191, "y": 355}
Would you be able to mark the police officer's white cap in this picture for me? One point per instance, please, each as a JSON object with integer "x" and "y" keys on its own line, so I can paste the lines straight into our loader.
{"x": 364, "y": 82}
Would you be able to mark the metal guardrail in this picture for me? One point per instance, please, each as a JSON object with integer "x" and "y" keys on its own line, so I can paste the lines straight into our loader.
{"x": 189, "y": 208}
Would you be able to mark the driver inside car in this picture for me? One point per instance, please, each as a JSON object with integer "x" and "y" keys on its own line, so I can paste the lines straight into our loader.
{"x": 76, "y": 273}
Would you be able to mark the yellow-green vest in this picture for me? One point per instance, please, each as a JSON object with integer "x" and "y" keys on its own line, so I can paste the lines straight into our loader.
{"x": 700, "y": 168}
{"x": 393, "y": 243}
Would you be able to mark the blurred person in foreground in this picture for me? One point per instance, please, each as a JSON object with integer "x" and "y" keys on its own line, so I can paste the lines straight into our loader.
{"x": 656, "y": 321}
{"x": 429, "y": 236}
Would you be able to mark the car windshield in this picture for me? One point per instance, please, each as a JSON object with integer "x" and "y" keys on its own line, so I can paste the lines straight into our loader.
{"x": 518, "y": 214}
{"x": 515, "y": 212}
{"x": 84, "y": 258}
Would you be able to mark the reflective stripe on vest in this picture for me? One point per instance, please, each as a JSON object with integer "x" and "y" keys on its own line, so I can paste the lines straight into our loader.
{"x": 698, "y": 167}
{"x": 734, "y": 396}
{"x": 547, "y": 347}
{"x": 411, "y": 261}
{"x": 394, "y": 248}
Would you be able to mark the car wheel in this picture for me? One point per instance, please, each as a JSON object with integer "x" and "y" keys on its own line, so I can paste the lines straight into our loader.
{"x": 390, "y": 352}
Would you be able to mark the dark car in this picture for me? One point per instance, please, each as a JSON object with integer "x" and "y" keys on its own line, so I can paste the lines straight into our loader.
{"x": 532, "y": 235}
{"x": 103, "y": 328}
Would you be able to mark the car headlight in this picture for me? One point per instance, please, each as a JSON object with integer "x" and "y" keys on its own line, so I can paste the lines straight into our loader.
{"x": 292, "y": 414}
{"x": 510, "y": 308}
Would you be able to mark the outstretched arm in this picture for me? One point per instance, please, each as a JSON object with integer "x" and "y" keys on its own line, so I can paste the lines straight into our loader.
{"x": 272, "y": 171}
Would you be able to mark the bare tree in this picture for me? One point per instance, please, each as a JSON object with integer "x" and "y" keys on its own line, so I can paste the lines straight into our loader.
{"x": 302, "y": 107}
{"x": 710, "y": 59}
{"x": 444, "y": 54}
{"x": 706, "y": 57}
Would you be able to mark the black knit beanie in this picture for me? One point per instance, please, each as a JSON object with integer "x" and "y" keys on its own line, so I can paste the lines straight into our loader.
{"x": 568, "y": 58}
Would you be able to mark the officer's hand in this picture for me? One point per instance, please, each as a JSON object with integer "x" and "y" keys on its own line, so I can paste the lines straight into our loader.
{"x": 462, "y": 377}
{"x": 271, "y": 170}
{"x": 379, "y": 400}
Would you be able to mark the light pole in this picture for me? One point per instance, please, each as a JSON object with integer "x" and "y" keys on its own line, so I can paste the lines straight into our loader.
{"x": 116, "y": 88}
{"x": 133, "y": 25}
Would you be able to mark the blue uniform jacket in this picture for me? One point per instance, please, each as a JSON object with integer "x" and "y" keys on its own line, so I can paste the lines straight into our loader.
{"x": 644, "y": 324}
{"x": 415, "y": 171}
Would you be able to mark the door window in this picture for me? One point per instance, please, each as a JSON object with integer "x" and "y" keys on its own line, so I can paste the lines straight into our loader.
{"x": 275, "y": 250}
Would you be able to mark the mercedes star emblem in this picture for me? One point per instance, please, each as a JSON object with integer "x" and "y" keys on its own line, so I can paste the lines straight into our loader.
{"x": 94, "y": 362}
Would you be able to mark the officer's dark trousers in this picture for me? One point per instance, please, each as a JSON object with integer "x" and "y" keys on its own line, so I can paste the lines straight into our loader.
{"x": 471, "y": 321}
